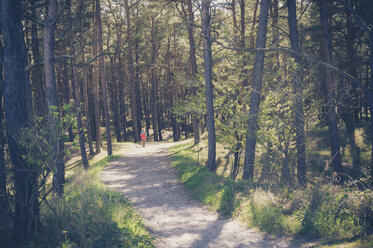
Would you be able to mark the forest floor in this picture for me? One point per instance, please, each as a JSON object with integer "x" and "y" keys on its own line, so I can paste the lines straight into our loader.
{"x": 145, "y": 177}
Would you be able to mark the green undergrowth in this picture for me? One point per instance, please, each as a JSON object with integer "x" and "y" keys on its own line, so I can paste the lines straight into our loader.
{"x": 90, "y": 215}
{"x": 330, "y": 212}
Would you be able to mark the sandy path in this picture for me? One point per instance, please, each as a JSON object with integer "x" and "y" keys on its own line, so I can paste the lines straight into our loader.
{"x": 144, "y": 176}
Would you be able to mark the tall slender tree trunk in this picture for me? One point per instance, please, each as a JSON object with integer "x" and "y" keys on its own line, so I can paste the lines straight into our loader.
{"x": 37, "y": 73}
{"x": 85, "y": 86}
{"x": 350, "y": 110}
{"x": 154, "y": 82}
{"x": 76, "y": 94}
{"x": 252, "y": 35}
{"x": 298, "y": 96}
{"x": 114, "y": 99}
{"x": 96, "y": 88}
{"x": 123, "y": 77}
{"x": 193, "y": 65}
{"x": 330, "y": 88}
{"x": 17, "y": 99}
{"x": 137, "y": 84}
{"x": 63, "y": 79}
{"x": 103, "y": 78}
{"x": 131, "y": 72}
{"x": 248, "y": 172}
{"x": 52, "y": 97}
{"x": 3, "y": 193}
{"x": 86, "y": 108}
{"x": 371, "y": 98}
{"x": 207, "y": 55}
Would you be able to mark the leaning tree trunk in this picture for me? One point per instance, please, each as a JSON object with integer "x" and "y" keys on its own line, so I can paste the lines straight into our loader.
{"x": 103, "y": 78}
{"x": 52, "y": 98}
{"x": 330, "y": 88}
{"x": 207, "y": 55}
{"x": 248, "y": 172}
{"x": 298, "y": 98}
{"x": 17, "y": 102}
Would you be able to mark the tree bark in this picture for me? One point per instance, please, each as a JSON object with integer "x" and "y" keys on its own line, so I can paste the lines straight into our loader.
{"x": 330, "y": 88}
{"x": 114, "y": 99}
{"x": 298, "y": 96}
{"x": 76, "y": 94}
{"x": 52, "y": 97}
{"x": 3, "y": 193}
{"x": 137, "y": 84}
{"x": 207, "y": 56}
{"x": 96, "y": 88}
{"x": 37, "y": 73}
{"x": 85, "y": 84}
{"x": 123, "y": 77}
{"x": 103, "y": 78}
{"x": 252, "y": 36}
{"x": 350, "y": 108}
{"x": 154, "y": 82}
{"x": 86, "y": 108}
{"x": 131, "y": 72}
{"x": 248, "y": 172}
{"x": 193, "y": 66}
{"x": 17, "y": 99}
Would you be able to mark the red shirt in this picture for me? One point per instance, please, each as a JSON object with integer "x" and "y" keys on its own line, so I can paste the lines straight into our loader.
{"x": 143, "y": 136}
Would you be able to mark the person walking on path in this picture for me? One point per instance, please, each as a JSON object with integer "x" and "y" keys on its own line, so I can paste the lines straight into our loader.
{"x": 143, "y": 137}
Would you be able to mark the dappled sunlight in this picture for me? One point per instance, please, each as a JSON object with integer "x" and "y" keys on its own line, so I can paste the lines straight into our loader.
{"x": 144, "y": 176}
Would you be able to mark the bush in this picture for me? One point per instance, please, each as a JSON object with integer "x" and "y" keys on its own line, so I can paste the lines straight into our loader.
{"x": 339, "y": 213}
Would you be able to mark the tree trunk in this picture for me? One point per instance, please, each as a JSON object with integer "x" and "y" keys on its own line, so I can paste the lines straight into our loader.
{"x": 37, "y": 73}
{"x": 371, "y": 99}
{"x": 3, "y": 194}
{"x": 103, "y": 78}
{"x": 193, "y": 66}
{"x": 131, "y": 72}
{"x": 137, "y": 84}
{"x": 96, "y": 88}
{"x": 52, "y": 97}
{"x": 76, "y": 94}
{"x": 85, "y": 87}
{"x": 350, "y": 108}
{"x": 86, "y": 108}
{"x": 248, "y": 172}
{"x": 114, "y": 99}
{"x": 252, "y": 36}
{"x": 123, "y": 77}
{"x": 16, "y": 102}
{"x": 330, "y": 88}
{"x": 154, "y": 82}
{"x": 298, "y": 96}
{"x": 207, "y": 56}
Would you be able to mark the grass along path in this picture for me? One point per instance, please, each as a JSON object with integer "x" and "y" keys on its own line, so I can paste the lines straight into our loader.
{"x": 145, "y": 177}
{"x": 89, "y": 214}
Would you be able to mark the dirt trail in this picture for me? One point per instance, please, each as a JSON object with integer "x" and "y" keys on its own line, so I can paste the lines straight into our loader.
{"x": 145, "y": 177}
